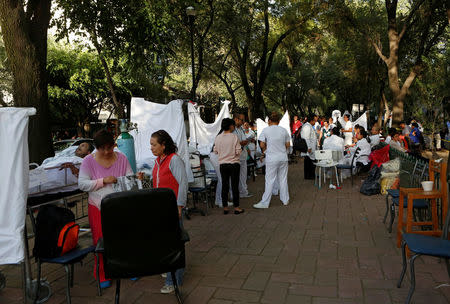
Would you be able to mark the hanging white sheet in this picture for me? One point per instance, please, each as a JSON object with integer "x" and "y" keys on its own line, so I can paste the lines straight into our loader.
{"x": 202, "y": 135}
{"x": 13, "y": 181}
{"x": 362, "y": 120}
{"x": 151, "y": 117}
{"x": 284, "y": 122}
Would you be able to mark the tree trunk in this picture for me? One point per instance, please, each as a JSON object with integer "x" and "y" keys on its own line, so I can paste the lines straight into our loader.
{"x": 25, "y": 37}
{"x": 118, "y": 105}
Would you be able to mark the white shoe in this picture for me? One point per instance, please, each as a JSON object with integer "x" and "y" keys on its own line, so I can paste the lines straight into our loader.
{"x": 259, "y": 206}
{"x": 167, "y": 289}
{"x": 247, "y": 195}
{"x": 164, "y": 275}
{"x": 285, "y": 204}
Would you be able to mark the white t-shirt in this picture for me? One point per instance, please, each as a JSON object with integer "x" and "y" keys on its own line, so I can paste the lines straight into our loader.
{"x": 275, "y": 138}
{"x": 374, "y": 140}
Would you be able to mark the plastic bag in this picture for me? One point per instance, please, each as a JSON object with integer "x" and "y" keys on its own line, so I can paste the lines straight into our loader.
{"x": 391, "y": 166}
{"x": 372, "y": 185}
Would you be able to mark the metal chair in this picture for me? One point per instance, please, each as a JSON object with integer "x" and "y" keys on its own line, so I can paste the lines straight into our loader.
{"x": 149, "y": 239}
{"x": 67, "y": 260}
{"x": 424, "y": 245}
{"x": 341, "y": 167}
{"x": 324, "y": 160}
{"x": 199, "y": 190}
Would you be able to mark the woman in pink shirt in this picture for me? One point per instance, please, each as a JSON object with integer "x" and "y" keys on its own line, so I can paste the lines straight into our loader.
{"x": 228, "y": 148}
{"x": 98, "y": 172}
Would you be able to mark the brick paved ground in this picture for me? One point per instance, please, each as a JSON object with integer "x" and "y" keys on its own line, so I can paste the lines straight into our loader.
{"x": 327, "y": 246}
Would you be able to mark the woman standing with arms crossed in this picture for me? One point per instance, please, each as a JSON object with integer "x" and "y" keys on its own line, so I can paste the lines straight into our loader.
{"x": 169, "y": 172}
{"x": 98, "y": 172}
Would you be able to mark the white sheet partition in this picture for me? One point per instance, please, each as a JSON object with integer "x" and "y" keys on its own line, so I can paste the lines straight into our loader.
{"x": 362, "y": 120}
{"x": 284, "y": 122}
{"x": 202, "y": 135}
{"x": 13, "y": 181}
{"x": 151, "y": 117}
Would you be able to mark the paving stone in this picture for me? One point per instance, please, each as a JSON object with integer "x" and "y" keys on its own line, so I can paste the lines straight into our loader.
{"x": 237, "y": 295}
{"x": 275, "y": 292}
{"x": 257, "y": 280}
{"x": 295, "y": 299}
{"x": 313, "y": 290}
{"x": 201, "y": 294}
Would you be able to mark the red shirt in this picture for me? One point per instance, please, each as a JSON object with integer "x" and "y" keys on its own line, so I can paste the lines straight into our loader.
{"x": 296, "y": 125}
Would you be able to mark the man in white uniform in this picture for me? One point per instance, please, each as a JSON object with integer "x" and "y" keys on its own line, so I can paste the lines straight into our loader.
{"x": 239, "y": 131}
{"x": 275, "y": 143}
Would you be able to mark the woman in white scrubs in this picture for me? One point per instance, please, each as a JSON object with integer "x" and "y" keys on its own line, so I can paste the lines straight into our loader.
{"x": 347, "y": 130}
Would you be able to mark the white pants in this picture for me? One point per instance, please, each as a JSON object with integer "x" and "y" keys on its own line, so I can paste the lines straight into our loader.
{"x": 276, "y": 171}
{"x": 243, "y": 179}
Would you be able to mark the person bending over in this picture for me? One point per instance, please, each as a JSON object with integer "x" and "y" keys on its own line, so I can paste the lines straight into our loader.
{"x": 98, "y": 172}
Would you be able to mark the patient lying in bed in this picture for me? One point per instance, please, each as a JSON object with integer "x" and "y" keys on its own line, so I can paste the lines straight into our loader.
{"x": 59, "y": 173}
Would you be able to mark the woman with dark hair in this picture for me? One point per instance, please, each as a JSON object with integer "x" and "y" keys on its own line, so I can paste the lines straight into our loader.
{"x": 310, "y": 136}
{"x": 362, "y": 159}
{"x": 98, "y": 172}
{"x": 228, "y": 149}
{"x": 347, "y": 130}
{"x": 169, "y": 172}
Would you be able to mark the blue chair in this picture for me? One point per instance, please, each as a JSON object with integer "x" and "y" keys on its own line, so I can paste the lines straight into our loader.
{"x": 424, "y": 245}
{"x": 67, "y": 260}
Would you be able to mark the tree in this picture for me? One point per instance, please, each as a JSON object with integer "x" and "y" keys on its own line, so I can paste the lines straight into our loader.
{"x": 24, "y": 27}
{"x": 411, "y": 34}
{"x": 136, "y": 31}
{"x": 255, "y": 40}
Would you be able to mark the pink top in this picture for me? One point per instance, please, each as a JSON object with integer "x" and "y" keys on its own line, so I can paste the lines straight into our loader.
{"x": 228, "y": 147}
{"x": 92, "y": 173}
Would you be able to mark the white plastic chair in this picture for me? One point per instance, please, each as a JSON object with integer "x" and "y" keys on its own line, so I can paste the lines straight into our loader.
{"x": 324, "y": 160}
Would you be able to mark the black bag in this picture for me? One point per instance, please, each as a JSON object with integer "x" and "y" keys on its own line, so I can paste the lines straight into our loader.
{"x": 299, "y": 143}
{"x": 54, "y": 226}
{"x": 372, "y": 185}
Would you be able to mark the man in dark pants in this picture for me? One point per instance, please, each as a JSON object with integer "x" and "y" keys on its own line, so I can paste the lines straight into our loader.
{"x": 310, "y": 136}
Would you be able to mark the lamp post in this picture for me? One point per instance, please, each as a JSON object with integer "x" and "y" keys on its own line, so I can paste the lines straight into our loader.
{"x": 190, "y": 12}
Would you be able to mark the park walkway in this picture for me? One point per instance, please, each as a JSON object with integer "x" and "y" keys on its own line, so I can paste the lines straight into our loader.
{"x": 326, "y": 247}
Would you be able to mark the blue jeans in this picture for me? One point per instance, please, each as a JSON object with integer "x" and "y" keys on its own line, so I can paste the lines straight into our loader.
{"x": 179, "y": 272}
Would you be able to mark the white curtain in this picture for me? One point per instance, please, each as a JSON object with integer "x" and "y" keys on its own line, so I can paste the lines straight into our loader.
{"x": 13, "y": 181}
{"x": 202, "y": 135}
{"x": 151, "y": 117}
{"x": 284, "y": 122}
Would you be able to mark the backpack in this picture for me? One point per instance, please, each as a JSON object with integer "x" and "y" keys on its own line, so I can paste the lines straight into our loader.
{"x": 299, "y": 142}
{"x": 56, "y": 232}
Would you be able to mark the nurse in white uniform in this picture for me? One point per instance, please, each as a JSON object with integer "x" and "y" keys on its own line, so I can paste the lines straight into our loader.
{"x": 275, "y": 143}
{"x": 347, "y": 130}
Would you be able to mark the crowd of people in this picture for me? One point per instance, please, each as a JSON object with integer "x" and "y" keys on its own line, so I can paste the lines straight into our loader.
{"x": 234, "y": 146}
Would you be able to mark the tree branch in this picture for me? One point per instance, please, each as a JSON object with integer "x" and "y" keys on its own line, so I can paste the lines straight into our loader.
{"x": 408, "y": 20}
